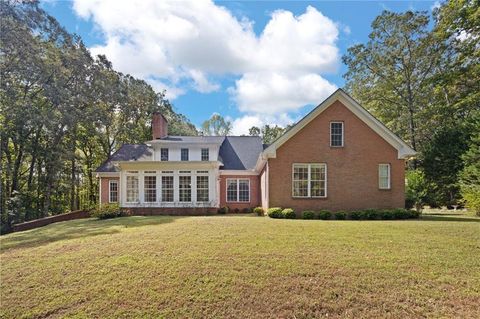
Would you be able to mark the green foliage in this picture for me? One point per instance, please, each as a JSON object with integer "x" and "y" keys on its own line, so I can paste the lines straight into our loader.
{"x": 355, "y": 215}
{"x": 275, "y": 212}
{"x": 289, "y": 213}
{"x": 308, "y": 214}
{"x": 223, "y": 210}
{"x": 216, "y": 126}
{"x": 247, "y": 210}
{"x": 268, "y": 133}
{"x": 442, "y": 163}
{"x": 340, "y": 215}
{"x": 106, "y": 211}
{"x": 417, "y": 189}
{"x": 324, "y": 214}
{"x": 470, "y": 175}
{"x": 259, "y": 211}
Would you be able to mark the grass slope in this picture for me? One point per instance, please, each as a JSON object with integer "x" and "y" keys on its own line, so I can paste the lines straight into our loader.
{"x": 243, "y": 267}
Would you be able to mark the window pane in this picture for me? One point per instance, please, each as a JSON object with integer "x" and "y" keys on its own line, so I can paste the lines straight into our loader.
{"x": 150, "y": 188}
{"x": 243, "y": 190}
{"x": 164, "y": 154}
{"x": 167, "y": 188}
{"x": 205, "y": 154}
{"x": 113, "y": 192}
{"x": 231, "y": 190}
{"x": 132, "y": 188}
{"x": 184, "y": 154}
{"x": 336, "y": 134}
{"x": 185, "y": 188}
{"x": 202, "y": 188}
{"x": 384, "y": 176}
{"x": 300, "y": 180}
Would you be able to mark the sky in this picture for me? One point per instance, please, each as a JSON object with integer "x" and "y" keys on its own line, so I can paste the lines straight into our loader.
{"x": 253, "y": 62}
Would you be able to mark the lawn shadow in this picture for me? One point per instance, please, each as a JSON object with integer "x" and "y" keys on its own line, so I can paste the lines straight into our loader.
{"x": 78, "y": 229}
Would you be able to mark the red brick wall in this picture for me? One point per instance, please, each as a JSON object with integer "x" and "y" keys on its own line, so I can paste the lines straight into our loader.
{"x": 51, "y": 219}
{"x": 352, "y": 171}
{"x": 254, "y": 192}
{"x": 105, "y": 185}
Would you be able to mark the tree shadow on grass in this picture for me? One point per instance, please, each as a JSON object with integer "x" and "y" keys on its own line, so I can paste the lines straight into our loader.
{"x": 449, "y": 218}
{"x": 80, "y": 228}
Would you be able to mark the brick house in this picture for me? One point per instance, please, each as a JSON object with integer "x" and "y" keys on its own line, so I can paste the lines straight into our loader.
{"x": 338, "y": 157}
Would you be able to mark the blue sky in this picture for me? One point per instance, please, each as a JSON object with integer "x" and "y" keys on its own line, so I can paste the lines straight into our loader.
{"x": 255, "y": 63}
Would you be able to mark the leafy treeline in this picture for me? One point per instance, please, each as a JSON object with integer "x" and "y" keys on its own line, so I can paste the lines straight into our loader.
{"x": 423, "y": 81}
{"x": 62, "y": 112}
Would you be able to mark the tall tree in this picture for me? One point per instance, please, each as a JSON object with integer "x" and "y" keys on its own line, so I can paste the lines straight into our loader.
{"x": 268, "y": 133}
{"x": 217, "y": 126}
{"x": 390, "y": 73}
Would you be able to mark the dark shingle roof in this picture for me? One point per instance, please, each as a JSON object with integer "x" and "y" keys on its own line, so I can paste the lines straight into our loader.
{"x": 128, "y": 152}
{"x": 236, "y": 152}
{"x": 240, "y": 152}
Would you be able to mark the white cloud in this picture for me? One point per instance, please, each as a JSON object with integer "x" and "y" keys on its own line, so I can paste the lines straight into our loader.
{"x": 182, "y": 45}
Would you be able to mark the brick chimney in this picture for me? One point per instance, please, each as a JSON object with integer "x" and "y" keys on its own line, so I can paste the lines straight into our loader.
{"x": 159, "y": 126}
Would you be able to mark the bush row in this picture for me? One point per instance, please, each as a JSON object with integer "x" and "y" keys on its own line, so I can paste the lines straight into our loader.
{"x": 367, "y": 214}
{"x": 108, "y": 211}
{"x": 225, "y": 210}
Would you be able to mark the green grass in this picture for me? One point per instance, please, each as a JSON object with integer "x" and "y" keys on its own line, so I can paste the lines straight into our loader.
{"x": 243, "y": 267}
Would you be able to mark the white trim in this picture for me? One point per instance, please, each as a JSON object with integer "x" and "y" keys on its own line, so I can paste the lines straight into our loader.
{"x": 404, "y": 151}
{"x": 389, "y": 176}
{"x": 239, "y": 172}
{"x": 107, "y": 174}
{"x": 309, "y": 165}
{"x": 343, "y": 134}
{"x": 110, "y": 181}
{"x": 238, "y": 190}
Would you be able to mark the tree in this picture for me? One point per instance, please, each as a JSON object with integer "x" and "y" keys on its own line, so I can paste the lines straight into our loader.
{"x": 442, "y": 162}
{"x": 470, "y": 175}
{"x": 390, "y": 74}
{"x": 268, "y": 133}
{"x": 216, "y": 126}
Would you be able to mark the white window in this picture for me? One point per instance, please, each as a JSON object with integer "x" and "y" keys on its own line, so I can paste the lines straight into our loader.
{"x": 384, "y": 176}
{"x": 184, "y": 154}
{"x": 238, "y": 190}
{"x": 164, "y": 154}
{"x": 309, "y": 180}
{"x": 150, "y": 188}
{"x": 336, "y": 134}
{"x": 132, "y": 189}
{"x": 167, "y": 188}
{"x": 185, "y": 188}
{"x": 202, "y": 188}
{"x": 205, "y": 154}
{"x": 113, "y": 192}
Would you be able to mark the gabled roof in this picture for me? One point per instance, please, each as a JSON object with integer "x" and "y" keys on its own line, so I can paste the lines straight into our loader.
{"x": 128, "y": 152}
{"x": 188, "y": 140}
{"x": 240, "y": 152}
{"x": 404, "y": 151}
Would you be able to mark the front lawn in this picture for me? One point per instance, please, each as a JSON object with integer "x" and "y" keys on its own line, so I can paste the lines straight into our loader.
{"x": 243, "y": 267}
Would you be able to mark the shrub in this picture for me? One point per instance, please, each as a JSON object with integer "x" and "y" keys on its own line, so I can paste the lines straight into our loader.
{"x": 370, "y": 214}
{"x": 289, "y": 213}
{"x": 414, "y": 213}
{"x": 324, "y": 214}
{"x": 275, "y": 212}
{"x": 340, "y": 215}
{"x": 259, "y": 211}
{"x": 308, "y": 214}
{"x": 416, "y": 189}
{"x": 247, "y": 210}
{"x": 355, "y": 215}
{"x": 386, "y": 214}
{"x": 107, "y": 211}
{"x": 223, "y": 210}
{"x": 400, "y": 213}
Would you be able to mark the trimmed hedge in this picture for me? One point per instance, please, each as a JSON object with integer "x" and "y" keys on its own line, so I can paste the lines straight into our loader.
{"x": 275, "y": 212}
{"x": 289, "y": 213}
{"x": 106, "y": 211}
{"x": 223, "y": 210}
{"x": 308, "y": 214}
{"x": 367, "y": 214}
{"x": 259, "y": 211}
{"x": 324, "y": 214}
